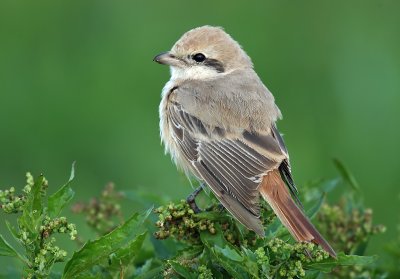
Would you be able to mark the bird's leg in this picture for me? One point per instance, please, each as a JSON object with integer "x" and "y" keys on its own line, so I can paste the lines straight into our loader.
{"x": 191, "y": 199}
{"x": 220, "y": 207}
{"x": 308, "y": 254}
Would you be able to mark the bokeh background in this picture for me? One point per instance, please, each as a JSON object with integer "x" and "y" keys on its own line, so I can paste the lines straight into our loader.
{"x": 77, "y": 82}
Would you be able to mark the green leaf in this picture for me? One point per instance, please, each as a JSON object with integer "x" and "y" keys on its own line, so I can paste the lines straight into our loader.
{"x": 224, "y": 254}
{"x": 151, "y": 269}
{"x": 6, "y": 249}
{"x": 346, "y": 174}
{"x": 314, "y": 210}
{"x": 250, "y": 262}
{"x": 62, "y": 197}
{"x": 98, "y": 250}
{"x": 229, "y": 253}
{"x": 329, "y": 185}
{"x": 165, "y": 249}
{"x": 92, "y": 275}
{"x": 144, "y": 199}
{"x": 182, "y": 270}
{"x": 235, "y": 269}
{"x": 190, "y": 252}
{"x": 212, "y": 216}
{"x": 312, "y": 274}
{"x": 36, "y": 198}
{"x": 12, "y": 230}
{"x": 31, "y": 216}
{"x": 274, "y": 229}
{"x": 314, "y": 190}
{"x": 217, "y": 239}
{"x": 125, "y": 255}
{"x": 342, "y": 260}
{"x": 360, "y": 248}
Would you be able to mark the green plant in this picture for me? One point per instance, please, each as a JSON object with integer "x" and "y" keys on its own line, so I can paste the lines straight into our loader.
{"x": 37, "y": 225}
{"x": 182, "y": 244}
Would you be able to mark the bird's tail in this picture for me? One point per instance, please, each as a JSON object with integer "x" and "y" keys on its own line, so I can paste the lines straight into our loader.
{"x": 274, "y": 190}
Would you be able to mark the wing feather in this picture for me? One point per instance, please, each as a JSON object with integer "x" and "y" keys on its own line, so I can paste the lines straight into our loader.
{"x": 232, "y": 163}
{"x": 235, "y": 181}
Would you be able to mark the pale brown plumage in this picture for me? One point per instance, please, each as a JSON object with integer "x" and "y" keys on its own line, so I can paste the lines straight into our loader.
{"x": 217, "y": 120}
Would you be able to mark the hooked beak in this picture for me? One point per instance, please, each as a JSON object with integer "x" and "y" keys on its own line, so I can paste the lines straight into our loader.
{"x": 166, "y": 58}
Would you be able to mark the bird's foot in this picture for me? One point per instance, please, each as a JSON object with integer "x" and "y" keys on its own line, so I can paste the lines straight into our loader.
{"x": 191, "y": 200}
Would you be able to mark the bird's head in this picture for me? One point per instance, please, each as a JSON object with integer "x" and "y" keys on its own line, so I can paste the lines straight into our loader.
{"x": 204, "y": 52}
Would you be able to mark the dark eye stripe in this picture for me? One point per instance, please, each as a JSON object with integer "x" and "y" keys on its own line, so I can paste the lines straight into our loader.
{"x": 217, "y": 65}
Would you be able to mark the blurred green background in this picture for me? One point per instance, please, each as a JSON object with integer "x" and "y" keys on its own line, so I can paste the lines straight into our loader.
{"x": 77, "y": 82}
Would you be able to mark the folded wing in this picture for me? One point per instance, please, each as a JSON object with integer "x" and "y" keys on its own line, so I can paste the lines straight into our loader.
{"x": 232, "y": 163}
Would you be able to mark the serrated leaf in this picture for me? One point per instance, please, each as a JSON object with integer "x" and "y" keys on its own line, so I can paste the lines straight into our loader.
{"x": 36, "y": 200}
{"x": 165, "y": 249}
{"x": 182, "y": 270}
{"x": 62, "y": 197}
{"x": 232, "y": 267}
{"x": 229, "y": 253}
{"x": 250, "y": 261}
{"x": 32, "y": 209}
{"x": 98, "y": 250}
{"x": 346, "y": 174}
{"x": 342, "y": 260}
{"x": 6, "y": 249}
{"x": 125, "y": 255}
{"x": 190, "y": 252}
{"x": 223, "y": 253}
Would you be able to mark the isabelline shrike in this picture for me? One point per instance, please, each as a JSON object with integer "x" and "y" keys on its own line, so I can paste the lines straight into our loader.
{"x": 217, "y": 121}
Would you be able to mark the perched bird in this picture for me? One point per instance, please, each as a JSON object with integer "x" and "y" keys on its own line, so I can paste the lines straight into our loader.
{"x": 217, "y": 120}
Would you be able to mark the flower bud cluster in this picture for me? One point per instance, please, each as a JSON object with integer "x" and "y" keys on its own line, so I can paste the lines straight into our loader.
{"x": 289, "y": 259}
{"x": 38, "y": 241}
{"x": 101, "y": 212}
{"x": 274, "y": 257}
{"x": 59, "y": 225}
{"x": 10, "y": 202}
{"x": 45, "y": 252}
{"x": 204, "y": 272}
{"x": 180, "y": 221}
{"x": 347, "y": 229}
{"x": 48, "y": 253}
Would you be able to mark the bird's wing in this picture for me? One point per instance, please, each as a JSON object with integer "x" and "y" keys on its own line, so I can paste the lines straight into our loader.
{"x": 232, "y": 163}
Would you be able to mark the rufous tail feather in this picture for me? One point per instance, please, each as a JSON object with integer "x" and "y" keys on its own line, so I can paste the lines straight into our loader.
{"x": 274, "y": 190}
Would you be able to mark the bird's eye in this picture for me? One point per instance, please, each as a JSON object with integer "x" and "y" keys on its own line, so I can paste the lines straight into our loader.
{"x": 199, "y": 57}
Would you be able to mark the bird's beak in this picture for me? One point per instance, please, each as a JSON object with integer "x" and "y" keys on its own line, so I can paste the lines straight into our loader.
{"x": 166, "y": 58}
